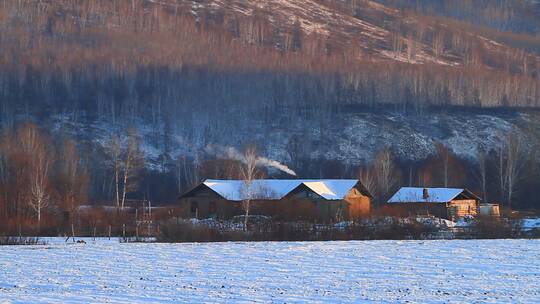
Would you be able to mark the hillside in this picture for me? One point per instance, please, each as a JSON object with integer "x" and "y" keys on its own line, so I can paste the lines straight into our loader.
{"x": 321, "y": 86}
{"x": 519, "y": 16}
{"x": 327, "y": 52}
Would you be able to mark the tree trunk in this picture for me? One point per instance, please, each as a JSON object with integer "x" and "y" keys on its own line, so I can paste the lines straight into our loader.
{"x": 446, "y": 171}
{"x": 247, "y": 215}
{"x": 116, "y": 179}
{"x": 124, "y": 187}
{"x": 39, "y": 218}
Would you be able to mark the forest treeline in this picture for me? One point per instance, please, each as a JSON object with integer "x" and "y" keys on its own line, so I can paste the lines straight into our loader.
{"x": 125, "y": 59}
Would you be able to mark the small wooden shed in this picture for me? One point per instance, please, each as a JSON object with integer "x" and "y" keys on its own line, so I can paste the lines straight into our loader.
{"x": 448, "y": 203}
{"x": 489, "y": 210}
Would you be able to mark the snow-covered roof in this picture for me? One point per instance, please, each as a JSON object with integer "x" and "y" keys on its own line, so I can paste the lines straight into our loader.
{"x": 434, "y": 195}
{"x": 275, "y": 189}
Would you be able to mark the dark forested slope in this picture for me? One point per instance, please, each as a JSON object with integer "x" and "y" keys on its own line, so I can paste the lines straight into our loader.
{"x": 125, "y": 57}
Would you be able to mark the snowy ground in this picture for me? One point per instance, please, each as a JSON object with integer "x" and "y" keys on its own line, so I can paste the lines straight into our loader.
{"x": 458, "y": 271}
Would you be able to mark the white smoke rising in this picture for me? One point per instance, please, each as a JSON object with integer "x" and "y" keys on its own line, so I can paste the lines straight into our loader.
{"x": 232, "y": 153}
{"x": 263, "y": 161}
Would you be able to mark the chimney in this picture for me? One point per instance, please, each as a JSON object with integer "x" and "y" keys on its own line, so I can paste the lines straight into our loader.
{"x": 425, "y": 194}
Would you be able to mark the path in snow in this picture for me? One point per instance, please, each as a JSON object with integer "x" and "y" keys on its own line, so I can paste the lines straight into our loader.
{"x": 463, "y": 271}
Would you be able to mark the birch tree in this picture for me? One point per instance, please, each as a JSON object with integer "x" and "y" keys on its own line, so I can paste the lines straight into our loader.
{"x": 385, "y": 173}
{"x": 132, "y": 162}
{"x": 512, "y": 156}
{"x": 39, "y": 179}
{"x": 482, "y": 173}
{"x": 125, "y": 158}
{"x": 113, "y": 150}
{"x": 39, "y": 154}
{"x": 249, "y": 172}
{"x": 368, "y": 179}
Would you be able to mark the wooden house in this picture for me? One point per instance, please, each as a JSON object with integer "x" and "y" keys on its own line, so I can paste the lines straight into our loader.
{"x": 448, "y": 203}
{"x": 312, "y": 200}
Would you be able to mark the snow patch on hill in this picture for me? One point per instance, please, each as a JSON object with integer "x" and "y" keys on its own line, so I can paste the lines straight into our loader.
{"x": 352, "y": 138}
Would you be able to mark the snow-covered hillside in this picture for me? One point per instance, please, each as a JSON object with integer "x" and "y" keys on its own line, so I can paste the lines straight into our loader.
{"x": 352, "y": 138}
{"x": 364, "y": 24}
{"x": 466, "y": 271}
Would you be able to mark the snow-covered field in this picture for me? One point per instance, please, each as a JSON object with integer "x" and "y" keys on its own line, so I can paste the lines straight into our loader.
{"x": 457, "y": 271}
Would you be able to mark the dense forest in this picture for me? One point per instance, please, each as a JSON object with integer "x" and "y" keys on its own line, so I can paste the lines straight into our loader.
{"x": 123, "y": 58}
{"x": 139, "y": 67}
{"x": 519, "y": 16}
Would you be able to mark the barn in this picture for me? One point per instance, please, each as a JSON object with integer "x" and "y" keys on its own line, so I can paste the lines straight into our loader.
{"x": 448, "y": 203}
{"x": 323, "y": 200}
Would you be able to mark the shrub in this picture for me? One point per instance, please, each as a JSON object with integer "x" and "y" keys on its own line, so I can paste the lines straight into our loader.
{"x": 12, "y": 240}
{"x": 215, "y": 231}
{"x": 494, "y": 228}
{"x": 186, "y": 231}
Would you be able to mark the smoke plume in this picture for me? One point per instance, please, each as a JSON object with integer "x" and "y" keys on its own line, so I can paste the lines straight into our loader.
{"x": 232, "y": 153}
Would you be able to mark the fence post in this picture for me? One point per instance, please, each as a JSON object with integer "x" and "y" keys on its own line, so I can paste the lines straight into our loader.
{"x": 137, "y": 232}
{"x": 73, "y": 232}
{"x": 124, "y": 231}
{"x": 94, "y": 233}
{"x": 109, "y": 232}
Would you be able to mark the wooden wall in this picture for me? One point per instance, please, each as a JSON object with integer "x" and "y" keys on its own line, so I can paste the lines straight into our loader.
{"x": 359, "y": 205}
{"x": 205, "y": 203}
{"x": 424, "y": 209}
{"x": 460, "y": 208}
{"x": 203, "y": 208}
{"x": 451, "y": 210}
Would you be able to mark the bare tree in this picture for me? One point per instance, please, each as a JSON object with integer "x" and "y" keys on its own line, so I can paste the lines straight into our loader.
{"x": 482, "y": 173}
{"x": 73, "y": 178}
{"x": 249, "y": 173}
{"x": 385, "y": 173}
{"x": 438, "y": 44}
{"x": 7, "y": 147}
{"x": 512, "y": 156}
{"x": 33, "y": 180}
{"x": 125, "y": 159}
{"x": 35, "y": 147}
{"x": 132, "y": 162}
{"x": 444, "y": 155}
{"x": 113, "y": 150}
{"x": 367, "y": 178}
{"x": 500, "y": 168}
{"x": 411, "y": 47}
{"x": 39, "y": 182}
{"x": 187, "y": 173}
{"x": 397, "y": 44}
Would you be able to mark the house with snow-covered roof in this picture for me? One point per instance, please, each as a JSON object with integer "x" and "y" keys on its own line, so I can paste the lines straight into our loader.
{"x": 284, "y": 199}
{"x": 449, "y": 203}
